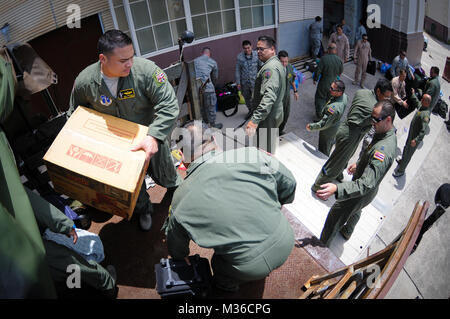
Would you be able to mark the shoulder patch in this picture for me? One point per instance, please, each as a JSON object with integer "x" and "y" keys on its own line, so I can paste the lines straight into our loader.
{"x": 331, "y": 110}
{"x": 159, "y": 76}
{"x": 267, "y": 74}
{"x": 379, "y": 156}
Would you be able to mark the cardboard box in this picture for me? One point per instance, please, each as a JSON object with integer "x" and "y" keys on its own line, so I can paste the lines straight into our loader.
{"x": 91, "y": 161}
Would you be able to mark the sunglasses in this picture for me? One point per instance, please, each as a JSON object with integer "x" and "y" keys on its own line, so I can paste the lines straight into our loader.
{"x": 260, "y": 49}
{"x": 378, "y": 120}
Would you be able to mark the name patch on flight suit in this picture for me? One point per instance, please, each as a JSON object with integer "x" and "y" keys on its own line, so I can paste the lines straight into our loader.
{"x": 126, "y": 94}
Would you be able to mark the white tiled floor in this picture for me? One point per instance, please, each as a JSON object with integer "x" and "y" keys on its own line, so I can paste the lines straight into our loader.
{"x": 296, "y": 155}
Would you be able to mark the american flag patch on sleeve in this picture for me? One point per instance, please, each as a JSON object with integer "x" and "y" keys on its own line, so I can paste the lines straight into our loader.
{"x": 379, "y": 156}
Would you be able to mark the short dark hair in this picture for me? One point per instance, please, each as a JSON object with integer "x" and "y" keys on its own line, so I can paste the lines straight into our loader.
{"x": 384, "y": 85}
{"x": 283, "y": 54}
{"x": 435, "y": 70}
{"x": 338, "y": 26}
{"x": 365, "y": 35}
{"x": 318, "y": 18}
{"x": 402, "y": 71}
{"x": 403, "y": 52}
{"x": 269, "y": 40}
{"x": 246, "y": 42}
{"x": 340, "y": 85}
{"x": 387, "y": 109}
{"x": 111, "y": 40}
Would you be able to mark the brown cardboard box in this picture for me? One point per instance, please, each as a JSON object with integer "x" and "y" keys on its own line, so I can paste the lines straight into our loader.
{"x": 91, "y": 161}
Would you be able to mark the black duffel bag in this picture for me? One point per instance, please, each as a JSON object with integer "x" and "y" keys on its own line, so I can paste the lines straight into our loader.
{"x": 228, "y": 98}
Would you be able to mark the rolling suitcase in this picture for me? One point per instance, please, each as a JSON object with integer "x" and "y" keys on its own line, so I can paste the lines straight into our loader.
{"x": 176, "y": 279}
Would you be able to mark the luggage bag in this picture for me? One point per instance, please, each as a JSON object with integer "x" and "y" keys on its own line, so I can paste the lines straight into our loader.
{"x": 176, "y": 279}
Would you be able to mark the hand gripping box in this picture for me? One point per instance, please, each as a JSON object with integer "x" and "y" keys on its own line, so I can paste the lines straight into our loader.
{"x": 91, "y": 161}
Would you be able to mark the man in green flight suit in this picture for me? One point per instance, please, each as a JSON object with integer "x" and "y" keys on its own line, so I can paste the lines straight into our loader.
{"x": 417, "y": 131}
{"x": 332, "y": 113}
{"x": 136, "y": 90}
{"x": 433, "y": 87}
{"x": 268, "y": 95}
{"x": 368, "y": 172}
{"x": 352, "y": 130}
{"x": 230, "y": 202}
{"x": 329, "y": 68}
{"x": 30, "y": 266}
{"x": 290, "y": 82}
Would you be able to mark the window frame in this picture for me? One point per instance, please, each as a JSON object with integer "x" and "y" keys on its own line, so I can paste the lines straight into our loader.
{"x": 189, "y": 25}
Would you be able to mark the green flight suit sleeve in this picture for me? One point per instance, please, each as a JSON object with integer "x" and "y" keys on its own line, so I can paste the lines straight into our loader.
{"x": 431, "y": 89}
{"x": 77, "y": 97}
{"x": 48, "y": 216}
{"x": 270, "y": 89}
{"x": 371, "y": 177}
{"x": 286, "y": 183}
{"x": 414, "y": 102}
{"x": 177, "y": 238}
{"x": 425, "y": 121}
{"x": 162, "y": 95}
{"x": 330, "y": 118}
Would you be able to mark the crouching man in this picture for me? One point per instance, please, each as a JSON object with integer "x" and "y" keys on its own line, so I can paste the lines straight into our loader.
{"x": 231, "y": 202}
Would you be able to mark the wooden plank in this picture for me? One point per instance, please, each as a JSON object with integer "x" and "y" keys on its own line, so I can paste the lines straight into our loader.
{"x": 346, "y": 294}
{"x": 401, "y": 253}
{"x": 341, "y": 283}
{"x": 173, "y": 72}
{"x": 182, "y": 86}
{"x": 193, "y": 91}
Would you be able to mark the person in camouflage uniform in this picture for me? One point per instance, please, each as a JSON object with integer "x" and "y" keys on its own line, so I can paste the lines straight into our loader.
{"x": 207, "y": 70}
{"x": 247, "y": 66}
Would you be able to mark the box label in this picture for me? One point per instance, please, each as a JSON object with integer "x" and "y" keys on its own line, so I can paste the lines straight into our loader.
{"x": 95, "y": 159}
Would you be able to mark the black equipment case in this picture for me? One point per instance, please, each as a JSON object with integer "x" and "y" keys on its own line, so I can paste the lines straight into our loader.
{"x": 228, "y": 98}
{"x": 176, "y": 279}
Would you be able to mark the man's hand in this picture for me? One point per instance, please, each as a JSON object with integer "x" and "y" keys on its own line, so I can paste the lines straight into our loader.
{"x": 413, "y": 143}
{"x": 405, "y": 104}
{"x": 351, "y": 169}
{"x": 251, "y": 128}
{"x": 308, "y": 127}
{"x": 327, "y": 190}
{"x": 73, "y": 234}
{"x": 149, "y": 145}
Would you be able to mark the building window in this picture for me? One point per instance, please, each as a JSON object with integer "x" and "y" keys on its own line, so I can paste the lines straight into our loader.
{"x": 212, "y": 17}
{"x": 157, "y": 23}
{"x": 256, "y": 13}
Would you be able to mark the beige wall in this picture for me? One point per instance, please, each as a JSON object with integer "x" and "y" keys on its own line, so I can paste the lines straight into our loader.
{"x": 29, "y": 19}
{"x": 438, "y": 10}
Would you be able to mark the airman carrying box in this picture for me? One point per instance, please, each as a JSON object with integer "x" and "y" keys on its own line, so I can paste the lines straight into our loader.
{"x": 91, "y": 161}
